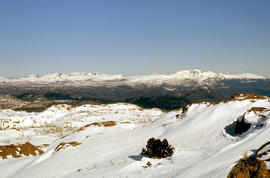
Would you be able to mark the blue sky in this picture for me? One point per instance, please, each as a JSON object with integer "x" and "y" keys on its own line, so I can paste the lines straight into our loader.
{"x": 134, "y": 36}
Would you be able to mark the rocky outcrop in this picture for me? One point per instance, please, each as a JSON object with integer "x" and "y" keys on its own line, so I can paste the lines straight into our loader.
{"x": 241, "y": 125}
{"x": 252, "y": 166}
{"x": 249, "y": 168}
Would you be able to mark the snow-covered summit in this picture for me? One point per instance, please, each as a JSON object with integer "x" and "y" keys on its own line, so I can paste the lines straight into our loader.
{"x": 201, "y": 75}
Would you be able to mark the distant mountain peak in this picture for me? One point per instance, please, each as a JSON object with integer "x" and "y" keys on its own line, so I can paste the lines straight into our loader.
{"x": 196, "y": 73}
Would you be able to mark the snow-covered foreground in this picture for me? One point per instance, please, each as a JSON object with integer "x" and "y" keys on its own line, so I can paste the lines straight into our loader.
{"x": 106, "y": 140}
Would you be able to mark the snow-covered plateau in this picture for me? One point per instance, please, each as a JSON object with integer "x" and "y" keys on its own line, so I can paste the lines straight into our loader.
{"x": 106, "y": 140}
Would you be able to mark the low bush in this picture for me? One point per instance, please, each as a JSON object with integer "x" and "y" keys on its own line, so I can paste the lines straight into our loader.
{"x": 156, "y": 148}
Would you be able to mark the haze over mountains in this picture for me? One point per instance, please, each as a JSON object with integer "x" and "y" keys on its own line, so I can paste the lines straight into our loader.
{"x": 155, "y": 90}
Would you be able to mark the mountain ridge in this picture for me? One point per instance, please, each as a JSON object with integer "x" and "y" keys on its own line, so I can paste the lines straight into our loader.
{"x": 195, "y": 74}
{"x": 156, "y": 90}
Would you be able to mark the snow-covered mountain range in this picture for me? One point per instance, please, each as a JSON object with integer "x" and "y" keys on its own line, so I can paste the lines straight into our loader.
{"x": 106, "y": 140}
{"x": 152, "y": 79}
{"x": 155, "y": 90}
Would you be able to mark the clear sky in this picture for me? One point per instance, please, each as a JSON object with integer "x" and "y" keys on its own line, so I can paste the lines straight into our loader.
{"x": 134, "y": 36}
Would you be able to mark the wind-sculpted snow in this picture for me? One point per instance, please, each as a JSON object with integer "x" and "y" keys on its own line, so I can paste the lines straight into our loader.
{"x": 106, "y": 140}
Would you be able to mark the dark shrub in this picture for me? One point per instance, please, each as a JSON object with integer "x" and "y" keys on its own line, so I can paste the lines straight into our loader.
{"x": 158, "y": 149}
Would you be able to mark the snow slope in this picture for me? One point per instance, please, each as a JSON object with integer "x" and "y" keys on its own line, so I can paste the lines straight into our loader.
{"x": 202, "y": 146}
{"x": 104, "y": 79}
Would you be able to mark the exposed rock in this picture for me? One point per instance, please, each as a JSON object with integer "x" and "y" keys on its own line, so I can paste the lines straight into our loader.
{"x": 241, "y": 125}
{"x": 253, "y": 166}
{"x": 17, "y": 151}
{"x": 64, "y": 145}
{"x": 263, "y": 152}
{"x": 249, "y": 168}
{"x": 243, "y": 96}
